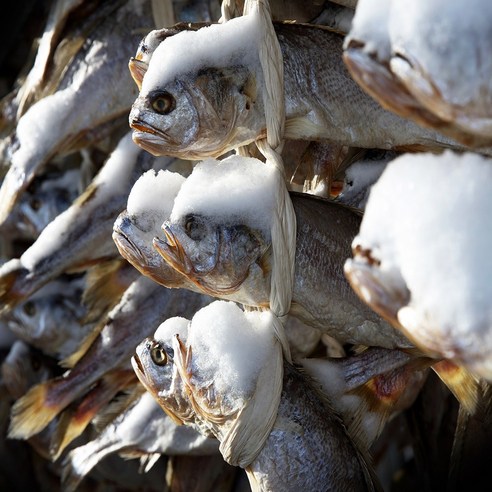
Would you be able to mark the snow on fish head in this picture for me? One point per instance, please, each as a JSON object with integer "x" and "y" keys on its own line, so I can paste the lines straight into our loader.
{"x": 414, "y": 266}
{"x": 198, "y": 95}
{"x": 218, "y": 233}
{"x": 149, "y": 203}
{"x": 225, "y": 351}
{"x": 154, "y": 366}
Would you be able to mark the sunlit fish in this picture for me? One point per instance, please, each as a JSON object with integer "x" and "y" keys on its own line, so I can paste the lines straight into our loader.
{"x": 202, "y": 93}
{"x": 428, "y": 63}
{"x": 219, "y": 237}
{"x": 140, "y": 430}
{"x": 224, "y": 359}
{"x": 96, "y": 96}
{"x": 81, "y": 235}
{"x": 422, "y": 255}
{"x": 149, "y": 203}
{"x": 141, "y": 309}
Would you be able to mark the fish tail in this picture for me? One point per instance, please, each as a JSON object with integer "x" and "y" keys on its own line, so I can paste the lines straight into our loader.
{"x": 74, "y": 421}
{"x": 464, "y": 385}
{"x": 13, "y": 287}
{"x": 35, "y": 410}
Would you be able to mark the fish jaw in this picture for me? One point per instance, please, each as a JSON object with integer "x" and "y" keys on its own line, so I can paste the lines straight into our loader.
{"x": 126, "y": 247}
{"x": 159, "y": 385}
{"x": 172, "y": 252}
{"x": 469, "y": 124}
{"x": 384, "y": 291}
{"x": 395, "y": 94}
{"x": 137, "y": 70}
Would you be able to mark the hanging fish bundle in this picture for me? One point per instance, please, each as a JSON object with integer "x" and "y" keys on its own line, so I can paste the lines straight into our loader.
{"x": 160, "y": 155}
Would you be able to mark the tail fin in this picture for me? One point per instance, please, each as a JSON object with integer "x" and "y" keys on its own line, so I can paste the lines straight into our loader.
{"x": 464, "y": 385}
{"x": 74, "y": 421}
{"x": 13, "y": 285}
{"x": 34, "y": 411}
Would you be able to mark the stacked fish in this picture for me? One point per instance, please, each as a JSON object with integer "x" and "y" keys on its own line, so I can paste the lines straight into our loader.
{"x": 138, "y": 266}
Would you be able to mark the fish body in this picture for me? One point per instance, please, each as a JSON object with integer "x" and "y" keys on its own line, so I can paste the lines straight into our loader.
{"x": 81, "y": 235}
{"x": 307, "y": 445}
{"x": 95, "y": 83}
{"x": 51, "y": 319}
{"x": 140, "y": 429}
{"x": 410, "y": 63}
{"x": 413, "y": 265}
{"x": 141, "y": 308}
{"x": 197, "y": 104}
{"x": 228, "y": 257}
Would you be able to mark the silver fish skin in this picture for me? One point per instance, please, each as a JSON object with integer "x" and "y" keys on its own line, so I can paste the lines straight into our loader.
{"x": 140, "y": 310}
{"x": 393, "y": 248}
{"x": 141, "y": 429}
{"x": 102, "y": 90}
{"x": 233, "y": 262}
{"x": 213, "y": 107}
{"x": 409, "y": 63}
{"x": 81, "y": 235}
{"x": 309, "y": 434}
{"x": 52, "y": 318}
{"x": 41, "y": 204}
{"x": 308, "y": 444}
{"x": 136, "y": 226}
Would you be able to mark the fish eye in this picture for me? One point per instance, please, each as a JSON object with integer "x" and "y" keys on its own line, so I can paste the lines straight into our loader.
{"x": 158, "y": 355}
{"x": 194, "y": 227}
{"x": 29, "y": 308}
{"x": 163, "y": 103}
{"x": 35, "y": 204}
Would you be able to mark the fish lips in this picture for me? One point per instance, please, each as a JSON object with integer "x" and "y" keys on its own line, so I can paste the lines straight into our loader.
{"x": 127, "y": 248}
{"x": 382, "y": 292}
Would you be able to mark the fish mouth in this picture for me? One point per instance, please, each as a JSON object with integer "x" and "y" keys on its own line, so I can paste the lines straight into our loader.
{"x": 382, "y": 293}
{"x": 152, "y": 139}
{"x": 127, "y": 248}
{"x": 138, "y": 367}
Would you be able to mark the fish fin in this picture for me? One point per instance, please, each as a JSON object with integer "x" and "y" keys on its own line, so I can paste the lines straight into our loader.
{"x": 12, "y": 290}
{"x": 464, "y": 385}
{"x": 147, "y": 461}
{"x": 70, "y": 361}
{"x": 105, "y": 284}
{"x": 34, "y": 411}
{"x": 75, "y": 420}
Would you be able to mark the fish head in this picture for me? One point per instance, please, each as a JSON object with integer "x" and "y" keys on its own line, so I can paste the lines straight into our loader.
{"x": 199, "y": 115}
{"x": 217, "y": 257}
{"x": 154, "y": 366}
{"x": 134, "y": 242}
